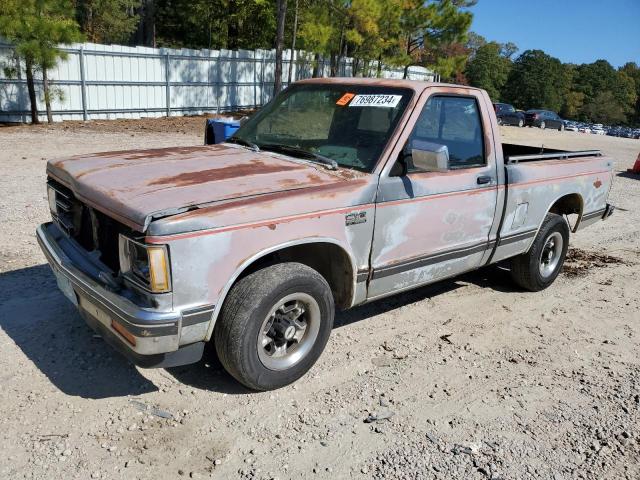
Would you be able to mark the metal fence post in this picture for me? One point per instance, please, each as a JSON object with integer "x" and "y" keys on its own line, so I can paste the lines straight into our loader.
{"x": 167, "y": 74}
{"x": 255, "y": 81}
{"x": 218, "y": 82}
{"x": 83, "y": 86}
{"x": 262, "y": 80}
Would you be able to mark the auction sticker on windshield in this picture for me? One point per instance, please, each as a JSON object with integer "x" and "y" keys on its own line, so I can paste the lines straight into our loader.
{"x": 388, "y": 101}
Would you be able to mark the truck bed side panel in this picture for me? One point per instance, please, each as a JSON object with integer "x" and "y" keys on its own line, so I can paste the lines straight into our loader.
{"x": 533, "y": 188}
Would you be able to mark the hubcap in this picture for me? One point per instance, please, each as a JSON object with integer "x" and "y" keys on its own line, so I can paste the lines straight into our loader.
{"x": 551, "y": 253}
{"x": 289, "y": 331}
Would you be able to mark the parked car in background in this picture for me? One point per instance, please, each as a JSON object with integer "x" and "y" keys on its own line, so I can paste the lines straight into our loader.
{"x": 570, "y": 126}
{"x": 508, "y": 115}
{"x": 584, "y": 129}
{"x": 598, "y": 129}
{"x": 543, "y": 119}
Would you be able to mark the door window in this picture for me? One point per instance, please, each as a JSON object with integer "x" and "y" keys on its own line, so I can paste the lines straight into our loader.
{"x": 454, "y": 122}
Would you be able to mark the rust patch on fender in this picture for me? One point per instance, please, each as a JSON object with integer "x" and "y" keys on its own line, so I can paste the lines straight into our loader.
{"x": 253, "y": 167}
{"x": 597, "y": 184}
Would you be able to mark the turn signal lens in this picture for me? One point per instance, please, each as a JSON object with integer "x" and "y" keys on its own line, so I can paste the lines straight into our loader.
{"x": 123, "y": 331}
{"x": 147, "y": 265}
{"x": 158, "y": 269}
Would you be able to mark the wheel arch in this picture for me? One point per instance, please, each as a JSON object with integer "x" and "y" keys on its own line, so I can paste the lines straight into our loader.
{"x": 568, "y": 204}
{"x": 310, "y": 252}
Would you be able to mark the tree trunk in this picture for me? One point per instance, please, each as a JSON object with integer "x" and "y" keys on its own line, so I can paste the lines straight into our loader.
{"x": 233, "y": 29}
{"x": 293, "y": 42}
{"x": 47, "y": 94}
{"x": 406, "y": 67}
{"x": 342, "y": 47}
{"x": 32, "y": 91}
{"x": 316, "y": 66}
{"x": 150, "y": 23}
{"x": 282, "y": 14}
{"x": 379, "y": 70}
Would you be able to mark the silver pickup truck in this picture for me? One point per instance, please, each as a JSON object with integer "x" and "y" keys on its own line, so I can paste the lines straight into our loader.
{"x": 336, "y": 193}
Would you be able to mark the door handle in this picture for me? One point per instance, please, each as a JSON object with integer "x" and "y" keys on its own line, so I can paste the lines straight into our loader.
{"x": 484, "y": 179}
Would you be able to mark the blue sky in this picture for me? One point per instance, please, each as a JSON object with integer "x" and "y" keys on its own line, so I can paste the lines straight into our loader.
{"x": 576, "y": 31}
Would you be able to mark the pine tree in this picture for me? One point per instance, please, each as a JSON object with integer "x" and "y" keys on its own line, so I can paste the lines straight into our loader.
{"x": 36, "y": 28}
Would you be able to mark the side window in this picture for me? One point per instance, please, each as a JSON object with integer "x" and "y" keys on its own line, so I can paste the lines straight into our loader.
{"x": 454, "y": 122}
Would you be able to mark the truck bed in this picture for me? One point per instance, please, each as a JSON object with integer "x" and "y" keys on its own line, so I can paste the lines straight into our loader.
{"x": 514, "y": 153}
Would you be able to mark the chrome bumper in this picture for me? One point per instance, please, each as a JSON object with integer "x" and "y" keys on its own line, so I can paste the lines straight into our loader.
{"x": 147, "y": 337}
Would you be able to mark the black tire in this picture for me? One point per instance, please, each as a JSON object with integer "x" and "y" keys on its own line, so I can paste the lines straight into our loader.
{"x": 247, "y": 307}
{"x": 543, "y": 125}
{"x": 526, "y": 268}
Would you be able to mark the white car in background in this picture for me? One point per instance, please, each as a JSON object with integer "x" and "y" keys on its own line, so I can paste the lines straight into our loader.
{"x": 584, "y": 129}
{"x": 571, "y": 127}
{"x": 598, "y": 129}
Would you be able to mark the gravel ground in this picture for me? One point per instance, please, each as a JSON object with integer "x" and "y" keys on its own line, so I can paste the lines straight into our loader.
{"x": 466, "y": 379}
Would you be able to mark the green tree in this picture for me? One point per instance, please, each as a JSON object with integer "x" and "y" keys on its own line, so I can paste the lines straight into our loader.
{"x": 536, "y": 80}
{"x": 593, "y": 79}
{"x": 229, "y": 24}
{"x": 604, "y": 108}
{"x": 428, "y": 25}
{"x": 107, "y": 21}
{"x": 489, "y": 69}
{"x": 37, "y": 28}
{"x": 632, "y": 71}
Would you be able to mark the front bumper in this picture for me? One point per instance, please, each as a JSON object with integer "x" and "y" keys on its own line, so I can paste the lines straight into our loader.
{"x": 147, "y": 337}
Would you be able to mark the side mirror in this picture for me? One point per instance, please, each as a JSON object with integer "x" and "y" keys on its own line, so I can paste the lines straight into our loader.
{"x": 430, "y": 157}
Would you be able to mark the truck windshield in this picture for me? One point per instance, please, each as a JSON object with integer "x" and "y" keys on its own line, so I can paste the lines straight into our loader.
{"x": 348, "y": 124}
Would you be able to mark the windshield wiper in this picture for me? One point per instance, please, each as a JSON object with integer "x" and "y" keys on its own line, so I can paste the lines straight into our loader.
{"x": 301, "y": 153}
{"x": 243, "y": 142}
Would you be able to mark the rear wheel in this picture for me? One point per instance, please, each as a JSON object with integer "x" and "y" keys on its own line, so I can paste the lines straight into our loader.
{"x": 543, "y": 125}
{"x": 540, "y": 266}
{"x": 521, "y": 123}
{"x": 561, "y": 128}
{"x": 274, "y": 325}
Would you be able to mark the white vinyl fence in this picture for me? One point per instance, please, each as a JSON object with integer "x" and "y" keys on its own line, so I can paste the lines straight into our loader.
{"x": 112, "y": 81}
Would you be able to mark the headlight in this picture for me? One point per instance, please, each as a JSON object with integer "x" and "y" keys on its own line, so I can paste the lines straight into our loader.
{"x": 147, "y": 265}
{"x": 51, "y": 196}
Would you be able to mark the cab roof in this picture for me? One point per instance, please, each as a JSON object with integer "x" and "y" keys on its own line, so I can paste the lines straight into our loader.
{"x": 416, "y": 85}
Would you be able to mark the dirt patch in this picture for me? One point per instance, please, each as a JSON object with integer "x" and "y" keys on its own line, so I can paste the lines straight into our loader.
{"x": 541, "y": 385}
{"x": 183, "y": 125}
{"x": 580, "y": 262}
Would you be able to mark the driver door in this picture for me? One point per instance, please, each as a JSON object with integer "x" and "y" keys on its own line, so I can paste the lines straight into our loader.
{"x": 433, "y": 225}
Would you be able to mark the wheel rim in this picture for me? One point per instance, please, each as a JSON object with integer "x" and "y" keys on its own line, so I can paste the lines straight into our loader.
{"x": 520, "y": 123}
{"x": 551, "y": 254}
{"x": 289, "y": 331}
{"x": 543, "y": 125}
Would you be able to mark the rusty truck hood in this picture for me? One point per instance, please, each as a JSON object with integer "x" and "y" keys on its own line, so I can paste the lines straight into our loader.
{"x": 139, "y": 185}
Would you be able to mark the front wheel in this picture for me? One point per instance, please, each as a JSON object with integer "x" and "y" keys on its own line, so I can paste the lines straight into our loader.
{"x": 274, "y": 325}
{"x": 543, "y": 125}
{"x": 536, "y": 269}
{"x": 561, "y": 128}
{"x": 521, "y": 123}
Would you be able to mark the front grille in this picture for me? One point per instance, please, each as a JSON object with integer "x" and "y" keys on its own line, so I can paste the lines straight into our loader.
{"x": 92, "y": 229}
